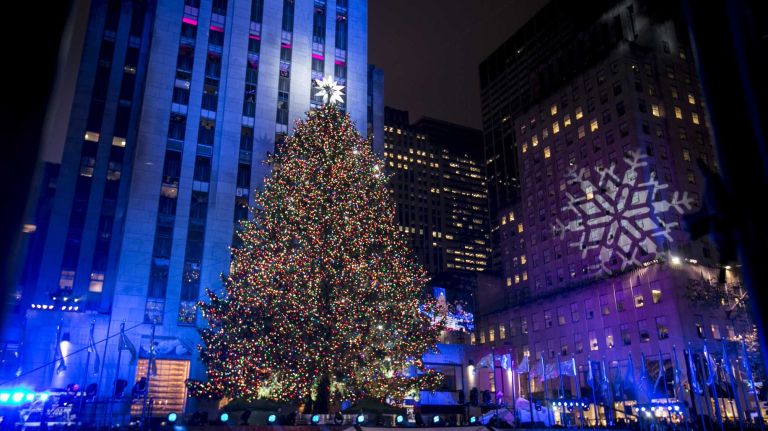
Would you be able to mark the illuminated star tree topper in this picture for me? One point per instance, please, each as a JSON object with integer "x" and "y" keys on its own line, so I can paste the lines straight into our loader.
{"x": 329, "y": 90}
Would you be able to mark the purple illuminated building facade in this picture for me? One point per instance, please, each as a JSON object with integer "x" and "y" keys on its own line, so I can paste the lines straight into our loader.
{"x": 594, "y": 259}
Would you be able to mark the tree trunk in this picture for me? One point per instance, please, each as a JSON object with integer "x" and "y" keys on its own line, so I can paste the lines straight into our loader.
{"x": 323, "y": 401}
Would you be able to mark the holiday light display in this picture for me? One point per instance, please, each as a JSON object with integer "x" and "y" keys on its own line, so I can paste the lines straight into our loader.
{"x": 323, "y": 296}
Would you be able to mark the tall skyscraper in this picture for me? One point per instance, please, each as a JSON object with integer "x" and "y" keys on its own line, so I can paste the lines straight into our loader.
{"x": 177, "y": 106}
{"x": 438, "y": 183}
{"x": 594, "y": 254}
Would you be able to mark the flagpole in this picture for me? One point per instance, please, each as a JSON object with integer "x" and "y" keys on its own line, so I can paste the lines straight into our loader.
{"x": 695, "y": 386}
{"x": 104, "y": 354}
{"x": 579, "y": 406}
{"x": 623, "y": 390}
{"x": 607, "y": 409}
{"x": 751, "y": 382}
{"x": 546, "y": 388}
{"x": 144, "y": 412}
{"x": 713, "y": 378}
{"x": 85, "y": 378}
{"x": 677, "y": 389}
{"x": 530, "y": 395}
{"x": 117, "y": 374}
{"x": 728, "y": 369}
{"x": 561, "y": 392}
{"x": 594, "y": 392}
{"x": 663, "y": 375}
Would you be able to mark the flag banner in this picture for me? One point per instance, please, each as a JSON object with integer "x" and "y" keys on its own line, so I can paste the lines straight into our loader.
{"x": 125, "y": 343}
{"x": 485, "y": 362}
{"x": 506, "y": 361}
{"x": 568, "y": 368}
{"x": 92, "y": 350}
{"x": 711, "y": 366}
{"x": 523, "y": 367}
{"x": 694, "y": 374}
{"x": 643, "y": 386}
{"x": 545, "y": 372}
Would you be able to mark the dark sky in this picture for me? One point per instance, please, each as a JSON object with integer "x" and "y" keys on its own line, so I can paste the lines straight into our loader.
{"x": 430, "y": 51}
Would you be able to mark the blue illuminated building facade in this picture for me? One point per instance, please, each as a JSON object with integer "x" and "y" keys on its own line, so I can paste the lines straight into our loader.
{"x": 177, "y": 105}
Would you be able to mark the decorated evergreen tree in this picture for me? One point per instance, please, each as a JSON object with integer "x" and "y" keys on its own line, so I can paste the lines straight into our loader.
{"x": 323, "y": 298}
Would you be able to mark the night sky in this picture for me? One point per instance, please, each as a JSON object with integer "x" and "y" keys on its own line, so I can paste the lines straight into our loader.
{"x": 430, "y": 51}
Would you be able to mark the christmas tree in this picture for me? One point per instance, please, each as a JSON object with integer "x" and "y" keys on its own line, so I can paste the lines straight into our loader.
{"x": 323, "y": 298}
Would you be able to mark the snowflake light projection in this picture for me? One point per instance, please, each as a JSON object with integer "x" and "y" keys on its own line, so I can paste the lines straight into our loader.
{"x": 619, "y": 216}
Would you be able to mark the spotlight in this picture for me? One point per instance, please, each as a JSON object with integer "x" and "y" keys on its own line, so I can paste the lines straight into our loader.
{"x": 473, "y": 419}
{"x": 677, "y": 408}
{"x": 44, "y": 396}
{"x": 435, "y": 419}
{"x": 272, "y": 418}
{"x": 675, "y": 260}
{"x": 360, "y": 418}
{"x": 29, "y": 397}
{"x": 172, "y": 417}
{"x": 4, "y": 397}
{"x": 224, "y": 417}
{"x": 17, "y": 396}
{"x": 315, "y": 419}
{"x": 399, "y": 419}
{"x": 669, "y": 408}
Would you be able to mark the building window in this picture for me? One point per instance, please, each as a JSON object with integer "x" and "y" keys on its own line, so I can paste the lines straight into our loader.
{"x": 715, "y": 331}
{"x": 678, "y": 113}
{"x": 582, "y": 132}
{"x": 575, "y": 312}
{"x": 695, "y": 118}
{"x": 502, "y": 331}
{"x": 561, "y": 316}
{"x": 523, "y": 325}
{"x": 661, "y": 328}
{"x": 553, "y": 110}
{"x": 472, "y": 340}
{"x": 691, "y": 99}
{"x": 168, "y": 385}
{"x": 579, "y": 113}
{"x": 642, "y": 330}
{"x": 691, "y": 178}
{"x": 525, "y": 147}
{"x": 593, "y": 125}
{"x": 555, "y": 128}
{"x": 655, "y": 293}
{"x": 547, "y": 153}
{"x": 626, "y": 336}
{"x": 590, "y": 313}
{"x": 699, "y": 326}
{"x": 639, "y": 299}
{"x": 548, "y": 318}
{"x": 491, "y": 335}
{"x": 509, "y": 281}
{"x": 567, "y": 120}
{"x": 97, "y": 282}
{"x": 593, "y": 344}
{"x": 578, "y": 344}
{"x": 482, "y": 336}
{"x": 686, "y": 155}
{"x": 563, "y": 346}
{"x": 605, "y": 305}
{"x": 519, "y": 228}
{"x": 620, "y": 306}
{"x": 609, "y": 338}
{"x": 655, "y": 110}
{"x": 534, "y": 140}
